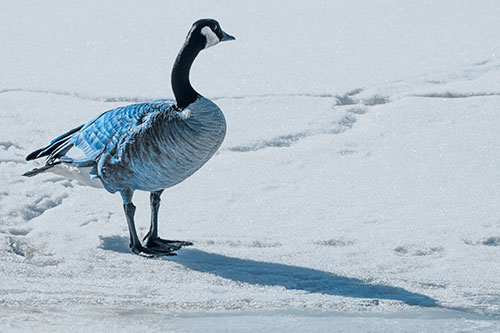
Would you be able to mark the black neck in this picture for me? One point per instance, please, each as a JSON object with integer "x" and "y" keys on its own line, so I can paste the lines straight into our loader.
{"x": 183, "y": 91}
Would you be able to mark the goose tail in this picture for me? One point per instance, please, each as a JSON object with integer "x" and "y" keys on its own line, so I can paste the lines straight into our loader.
{"x": 36, "y": 171}
{"x": 56, "y": 148}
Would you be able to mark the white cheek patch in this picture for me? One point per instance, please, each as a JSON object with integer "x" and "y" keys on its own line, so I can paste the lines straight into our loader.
{"x": 212, "y": 38}
{"x": 185, "y": 114}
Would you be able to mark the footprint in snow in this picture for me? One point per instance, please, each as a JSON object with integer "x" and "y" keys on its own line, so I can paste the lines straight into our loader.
{"x": 334, "y": 242}
{"x": 418, "y": 251}
{"x": 487, "y": 241}
{"x": 11, "y": 152}
{"x": 247, "y": 244}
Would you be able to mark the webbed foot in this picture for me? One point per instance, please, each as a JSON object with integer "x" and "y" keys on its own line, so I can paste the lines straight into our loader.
{"x": 166, "y": 244}
{"x": 152, "y": 251}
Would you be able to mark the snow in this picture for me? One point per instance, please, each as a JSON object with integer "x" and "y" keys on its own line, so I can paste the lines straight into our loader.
{"x": 357, "y": 188}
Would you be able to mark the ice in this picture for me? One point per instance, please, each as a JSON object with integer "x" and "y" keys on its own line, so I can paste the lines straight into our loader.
{"x": 357, "y": 188}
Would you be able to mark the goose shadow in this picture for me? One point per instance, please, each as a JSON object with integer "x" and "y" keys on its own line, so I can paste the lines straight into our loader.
{"x": 115, "y": 244}
{"x": 295, "y": 278}
{"x": 286, "y": 276}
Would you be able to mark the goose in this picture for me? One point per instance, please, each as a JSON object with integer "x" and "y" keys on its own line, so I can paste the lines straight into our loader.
{"x": 146, "y": 147}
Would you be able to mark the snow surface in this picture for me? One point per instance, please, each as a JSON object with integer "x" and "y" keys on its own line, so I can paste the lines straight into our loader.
{"x": 357, "y": 189}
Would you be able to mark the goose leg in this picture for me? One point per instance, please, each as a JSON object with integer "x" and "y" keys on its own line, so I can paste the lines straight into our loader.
{"x": 152, "y": 241}
{"x": 155, "y": 207}
{"x": 135, "y": 243}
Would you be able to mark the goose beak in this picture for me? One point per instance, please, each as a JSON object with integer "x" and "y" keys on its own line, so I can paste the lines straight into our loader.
{"x": 226, "y": 37}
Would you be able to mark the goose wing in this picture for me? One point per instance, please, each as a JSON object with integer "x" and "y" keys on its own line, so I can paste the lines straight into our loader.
{"x": 112, "y": 128}
{"x": 83, "y": 145}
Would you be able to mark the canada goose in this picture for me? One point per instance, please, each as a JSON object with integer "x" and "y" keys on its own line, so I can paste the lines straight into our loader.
{"x": 148, "y": 147}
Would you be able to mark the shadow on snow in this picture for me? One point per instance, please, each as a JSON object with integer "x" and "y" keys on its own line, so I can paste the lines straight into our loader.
{"x": 287, "y": 276}
{"x": 115, "y": 243}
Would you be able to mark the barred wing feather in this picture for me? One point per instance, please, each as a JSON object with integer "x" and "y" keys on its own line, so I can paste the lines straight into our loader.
{"x": 107, "y": 131}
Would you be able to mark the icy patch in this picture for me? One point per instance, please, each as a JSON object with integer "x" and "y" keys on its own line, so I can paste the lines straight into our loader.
{"x": 112, "y": 319}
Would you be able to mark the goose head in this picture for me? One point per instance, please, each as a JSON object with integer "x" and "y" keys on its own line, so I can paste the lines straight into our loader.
{"x": 206, "y": 33}
{"x": 203, "y": 34}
